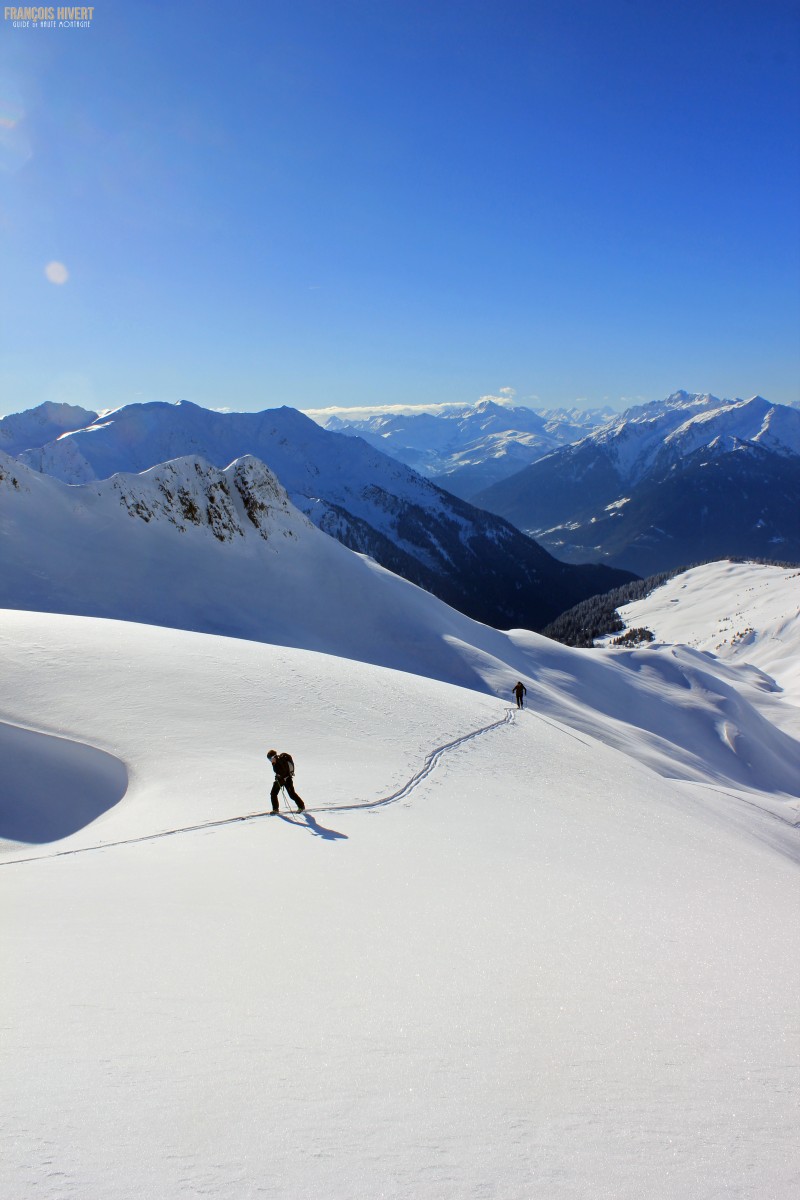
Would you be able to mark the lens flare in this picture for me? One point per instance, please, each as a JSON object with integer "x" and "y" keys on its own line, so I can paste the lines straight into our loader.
{"x": 56, "y": 272}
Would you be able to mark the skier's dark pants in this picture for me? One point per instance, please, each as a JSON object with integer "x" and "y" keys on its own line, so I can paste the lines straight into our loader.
{"x": 519, "y": 700}
{"x": 276, "y": 787}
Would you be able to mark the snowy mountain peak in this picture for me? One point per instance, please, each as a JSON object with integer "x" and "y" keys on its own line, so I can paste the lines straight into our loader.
{"x": 685, "y": 399}
{"x": 36, "y": 426}
{"x": 654, "y": 434}
{"x": 733, "y": 424}
{"x": 191, "y": 493}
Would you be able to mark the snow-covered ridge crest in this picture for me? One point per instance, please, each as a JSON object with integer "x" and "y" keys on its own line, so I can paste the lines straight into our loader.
{"x": 754, "y": 421}
{"x": 190, "y": 493}
{"x": 676, "y": 427}
{"x": 634, "y": 440}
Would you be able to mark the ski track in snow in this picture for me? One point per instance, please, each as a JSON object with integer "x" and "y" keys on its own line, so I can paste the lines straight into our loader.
{"x": 425, "y": 770}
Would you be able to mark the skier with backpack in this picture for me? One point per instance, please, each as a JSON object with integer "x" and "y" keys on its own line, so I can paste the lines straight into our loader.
{"x": 283, "y": 766}
{"x": 519, "y": 691}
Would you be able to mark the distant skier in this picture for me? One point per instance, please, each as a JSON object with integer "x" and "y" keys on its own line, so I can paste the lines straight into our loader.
{"x": 519, "y": 691}
{"x": 283, "y": 766}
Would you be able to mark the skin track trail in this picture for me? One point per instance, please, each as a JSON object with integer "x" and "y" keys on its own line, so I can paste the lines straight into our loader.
{"x": 425, "y": 770}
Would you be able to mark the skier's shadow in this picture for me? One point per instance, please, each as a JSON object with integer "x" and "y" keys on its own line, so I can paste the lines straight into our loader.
{"x": 305, "y": 818}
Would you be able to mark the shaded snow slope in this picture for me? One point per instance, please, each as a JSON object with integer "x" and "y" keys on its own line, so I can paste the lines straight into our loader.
{"x": 540, "y": 971}
{"x": 53, "y": 786}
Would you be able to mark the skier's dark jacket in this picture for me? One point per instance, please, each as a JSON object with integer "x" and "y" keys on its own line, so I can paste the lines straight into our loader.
{"x": 283, "y": 766}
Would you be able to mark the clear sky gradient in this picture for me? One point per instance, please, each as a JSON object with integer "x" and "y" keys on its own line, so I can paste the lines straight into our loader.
{"x": 319, "y": 202}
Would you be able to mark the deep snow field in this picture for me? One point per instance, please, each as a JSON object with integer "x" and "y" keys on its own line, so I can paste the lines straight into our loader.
{"x": 745, "y": 613}
{"x": 540, "y": 954}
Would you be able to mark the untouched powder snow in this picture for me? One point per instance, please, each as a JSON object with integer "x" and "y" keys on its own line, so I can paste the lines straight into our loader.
{"x": 499, "y": 956}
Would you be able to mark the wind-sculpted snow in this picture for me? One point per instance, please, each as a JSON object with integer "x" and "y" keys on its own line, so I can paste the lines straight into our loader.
{"x": 51, "y": 787}
{"x": 745, "y": 615}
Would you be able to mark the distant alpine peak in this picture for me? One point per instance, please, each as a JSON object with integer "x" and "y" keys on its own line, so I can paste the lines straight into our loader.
{"x": 58, "y": 413}
{"x": 679, "y": 402}
{"x": 491, "y": 403}
{"x": 659, "y": 433}
{"x": 692, "y": 399}
{"x": 737, "y": 423}
{"x": 45, "y": 423}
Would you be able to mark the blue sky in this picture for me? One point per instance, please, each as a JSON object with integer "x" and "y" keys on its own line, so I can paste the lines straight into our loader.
{"x": 363, "y": 202}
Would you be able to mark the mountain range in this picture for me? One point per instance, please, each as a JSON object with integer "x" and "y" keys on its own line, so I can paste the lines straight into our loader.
{"x": 373, "y": 504}
{"x": 683, "y": 480}
{"x": 190, "y": 546}
{"x": 687, "y": 479}
{"x": 465, "y": 448}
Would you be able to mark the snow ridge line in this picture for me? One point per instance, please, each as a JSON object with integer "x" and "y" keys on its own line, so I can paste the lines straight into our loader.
{"x": 428, "y": 766}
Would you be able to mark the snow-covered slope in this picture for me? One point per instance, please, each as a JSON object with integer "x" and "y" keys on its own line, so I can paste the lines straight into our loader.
{"x": 220, "y": 551}
{"x": 368, "y": 501}
{"x": 498, "y": 957}
{"x": 190, "y": 546}
{"x": 755, "y": 422}
{"x": 36, "y": 426}
{"x": 672, "y": 483}
{"x": 746, "y": 614}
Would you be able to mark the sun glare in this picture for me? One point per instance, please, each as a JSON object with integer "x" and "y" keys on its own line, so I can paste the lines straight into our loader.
{"x": 56, "y": 272}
